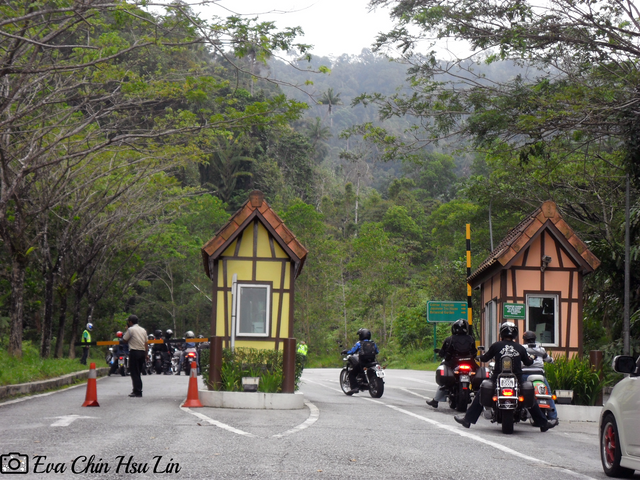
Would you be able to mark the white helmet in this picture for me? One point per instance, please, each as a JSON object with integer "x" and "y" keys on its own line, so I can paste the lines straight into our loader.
{"x": 89, "y": 326}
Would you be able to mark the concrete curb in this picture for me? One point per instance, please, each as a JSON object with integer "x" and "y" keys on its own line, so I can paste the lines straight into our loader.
{"x": 254, "y": 400}
{"x": 41, "y": 386}
{"x": 578, "y": 413}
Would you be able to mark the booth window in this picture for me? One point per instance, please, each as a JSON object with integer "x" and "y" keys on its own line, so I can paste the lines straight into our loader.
{"x": 253, "y": 310}
{"x": 542, "y": 318}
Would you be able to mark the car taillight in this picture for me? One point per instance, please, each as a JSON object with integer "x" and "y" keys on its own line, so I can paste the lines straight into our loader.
{"x": 507, "y": 392}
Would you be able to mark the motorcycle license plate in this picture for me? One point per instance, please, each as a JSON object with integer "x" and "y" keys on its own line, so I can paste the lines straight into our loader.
{"x": 380, "y": 372}
{"x": 543, "y": 403}
{"x": 465, "y": 378}
{"x": 508, "y": 382}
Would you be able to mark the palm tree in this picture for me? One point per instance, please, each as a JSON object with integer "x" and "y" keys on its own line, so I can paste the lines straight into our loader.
{"x": 225, "y": 167}
{"x": 331, "y": 99}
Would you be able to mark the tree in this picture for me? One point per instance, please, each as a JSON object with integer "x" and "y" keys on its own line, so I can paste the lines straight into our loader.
{"x": 329, "y": 98}
{"x": 76, "y": 83}
{"x": 580, "y": 93}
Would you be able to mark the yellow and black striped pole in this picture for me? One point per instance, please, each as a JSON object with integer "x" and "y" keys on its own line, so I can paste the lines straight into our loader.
{"x": 469, "y": 307}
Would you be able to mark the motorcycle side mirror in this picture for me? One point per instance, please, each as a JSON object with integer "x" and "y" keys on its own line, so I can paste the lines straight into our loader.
{"x": 436, "y": 350}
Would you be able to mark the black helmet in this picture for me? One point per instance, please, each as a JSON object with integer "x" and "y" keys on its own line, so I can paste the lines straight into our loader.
{"x": 189, "y": 334}
{"x": 460, "y": 327}
{"x": 364, "y": 334}
{"x": 529, "y": 337}
{"x": 158, "y": 333}
{"x": 508, "y": 330}
{"x": 168, "y": 333}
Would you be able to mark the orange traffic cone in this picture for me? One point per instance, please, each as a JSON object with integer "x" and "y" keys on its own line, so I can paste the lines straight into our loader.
{"x": 193, "y": 400}
{"x": 91, "y": 400}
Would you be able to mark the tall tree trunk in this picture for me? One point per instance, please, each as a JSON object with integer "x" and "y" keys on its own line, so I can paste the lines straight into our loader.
{"x": 62, "y": 320}
{"x": 16, "y": 304}
{"x": 75, "y": 323}
{"x": 47, "y": 324}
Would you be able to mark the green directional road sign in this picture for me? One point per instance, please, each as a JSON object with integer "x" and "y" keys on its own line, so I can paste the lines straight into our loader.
{"x": 514, "y": 310}
{"x": 446, "y": 311}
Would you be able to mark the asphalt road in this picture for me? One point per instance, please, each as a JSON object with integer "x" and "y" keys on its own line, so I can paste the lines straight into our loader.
{"x": 395, "y": 437}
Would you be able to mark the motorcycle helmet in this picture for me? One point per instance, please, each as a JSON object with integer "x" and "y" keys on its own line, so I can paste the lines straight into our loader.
{"x": 89, "y": 326}
{"x": 200, "y": 336}
{"x": 364, "y": 334}
{"x": 460, "y": 327}
{"x": 529, "y": 337}
{"x": 158, "y": 333}
{"x": 189, "y": 334}
{"x": 119, "y": 334}
{"x": 169, "y": 333}
{"x": 508, "y": 330}
{"x": 151, "y": 337}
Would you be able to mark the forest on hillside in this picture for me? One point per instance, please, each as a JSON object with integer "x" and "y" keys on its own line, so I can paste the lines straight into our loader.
{"x": 128, "y": 137}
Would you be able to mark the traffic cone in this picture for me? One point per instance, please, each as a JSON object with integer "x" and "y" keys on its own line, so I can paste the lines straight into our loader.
{"x": 91, "y": 400}
{"x": 193, "y": 400}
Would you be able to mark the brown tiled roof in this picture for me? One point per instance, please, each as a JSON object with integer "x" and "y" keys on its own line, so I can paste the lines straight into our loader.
{"x": 517, "y": 238}
{"x": 255, "y": 206}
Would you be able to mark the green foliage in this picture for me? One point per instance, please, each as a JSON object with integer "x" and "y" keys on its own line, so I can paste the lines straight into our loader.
{"x": 575, "y": 374}
{"x": 252, "y": 362}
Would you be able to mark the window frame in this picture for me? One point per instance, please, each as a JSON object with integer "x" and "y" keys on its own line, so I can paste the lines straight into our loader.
{"x": 556, "y": 316}
{"x": 267, "y": 321}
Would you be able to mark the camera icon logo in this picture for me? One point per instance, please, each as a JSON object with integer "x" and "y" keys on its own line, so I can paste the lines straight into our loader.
{"x": 14, "y": 463}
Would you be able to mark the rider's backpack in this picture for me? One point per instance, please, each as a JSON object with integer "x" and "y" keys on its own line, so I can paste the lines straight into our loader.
{"x": 367, "y": 352}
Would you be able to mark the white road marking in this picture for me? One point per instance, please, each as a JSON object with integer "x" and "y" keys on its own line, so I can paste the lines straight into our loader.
{"x": 66, "y": 420}
{"x": 313, "y": 417}
{"x": 224, "y": 426}
{"x": 314, "y": 414}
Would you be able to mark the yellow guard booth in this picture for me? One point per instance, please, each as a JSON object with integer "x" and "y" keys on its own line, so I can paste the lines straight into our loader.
{"x": 253, "y": 261}
{"x": 534, "y": 278}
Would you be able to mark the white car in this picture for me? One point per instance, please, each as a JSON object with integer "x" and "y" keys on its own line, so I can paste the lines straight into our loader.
{"x": 620, "y": 422}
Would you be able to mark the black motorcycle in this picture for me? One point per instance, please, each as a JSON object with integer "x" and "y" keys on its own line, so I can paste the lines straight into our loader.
{"x": 371, "y": 378}
{"x": 506, "y": 398}
{"x": 460, "y": 376}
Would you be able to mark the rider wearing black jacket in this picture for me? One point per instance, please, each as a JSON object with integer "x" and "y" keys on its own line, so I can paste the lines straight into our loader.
{"x": 506, "y": 347}
{"x": 459, "y": 344}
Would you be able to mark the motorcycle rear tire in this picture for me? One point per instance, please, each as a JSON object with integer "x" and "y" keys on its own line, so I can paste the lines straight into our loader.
{"x": 507, "y": 422}
{"x": 463, "y": 399}
{"x": 122, "y": 372}
{"x": 344, "y": 381}
{"x": 187, "y": 369}
{"x": 376, "y": 386}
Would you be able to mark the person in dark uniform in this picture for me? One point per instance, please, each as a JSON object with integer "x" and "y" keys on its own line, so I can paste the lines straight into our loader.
{"x": 459, "y": 344}
{"x": 506, "y": 347}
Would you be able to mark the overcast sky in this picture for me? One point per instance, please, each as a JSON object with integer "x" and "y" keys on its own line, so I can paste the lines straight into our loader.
{"x": 334, "y": 27}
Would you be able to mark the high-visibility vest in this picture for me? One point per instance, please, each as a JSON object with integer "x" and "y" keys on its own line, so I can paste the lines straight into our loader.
{"x": 303, "y": 349}
{"x": 86, "y": 337}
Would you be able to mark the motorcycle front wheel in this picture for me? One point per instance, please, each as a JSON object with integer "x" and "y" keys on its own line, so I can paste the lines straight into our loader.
{"x": 376, "y": 386}
{"x": 344, "y": 381}
{"x": 507, "y": 421}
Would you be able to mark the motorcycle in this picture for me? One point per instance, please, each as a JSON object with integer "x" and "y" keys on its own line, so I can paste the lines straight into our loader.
{"x": 460, "y": 380}
{"x": 190, "y": 355}
{"x": 123, "y": 365}
{"x": 175, "y": 361}
{"x": 158, "y": 362}
{"x": 542, "y": 394}
{"x": 506, "y": 398}
{"x": 371, "y": 378}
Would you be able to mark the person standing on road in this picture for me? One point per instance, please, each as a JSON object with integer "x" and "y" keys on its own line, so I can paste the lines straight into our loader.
{"x": 86, "y": 339}
{"x": 136, "y": 338}
{"x": 303, "y": 349}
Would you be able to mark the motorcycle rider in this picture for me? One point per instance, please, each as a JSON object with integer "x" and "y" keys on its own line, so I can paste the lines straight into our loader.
{"x": 187, "y": 345}
{"x": 162, "y": 349}
{"x": 506, "y": 347}
{"x": 167, "y": 358}
{"x": 540, "y": 357}
{"x": 119, "y": 350}
{"x": 459, "y": 344}
{"x": 364, "y": 335}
